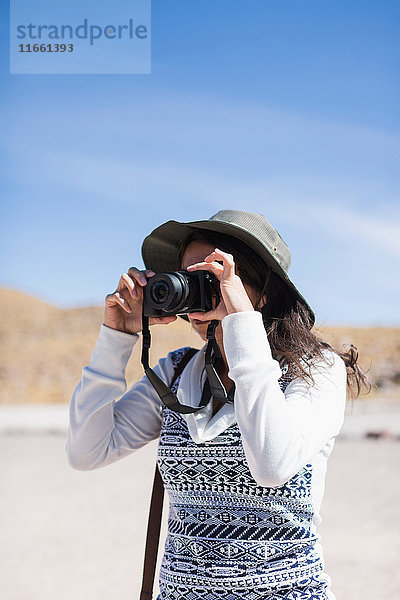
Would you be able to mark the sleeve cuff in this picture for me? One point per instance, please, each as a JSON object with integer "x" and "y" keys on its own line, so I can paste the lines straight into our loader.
{"x": 112, "y": 352}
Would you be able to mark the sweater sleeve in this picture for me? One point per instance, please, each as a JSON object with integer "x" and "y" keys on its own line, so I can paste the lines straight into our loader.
{"x": 281, "y": 431}
{"x": 102, "y": 429}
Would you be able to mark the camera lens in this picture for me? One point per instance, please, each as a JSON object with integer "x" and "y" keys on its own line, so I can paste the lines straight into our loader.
{"x": 160, "y": 291}
{"x": 171, "y": 293}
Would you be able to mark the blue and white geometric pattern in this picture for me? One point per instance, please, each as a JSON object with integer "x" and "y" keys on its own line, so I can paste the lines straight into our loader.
{"x": 228, "y": 537}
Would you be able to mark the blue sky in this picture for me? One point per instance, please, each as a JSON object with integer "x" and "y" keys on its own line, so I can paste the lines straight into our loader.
{"x": 284, "y": 108}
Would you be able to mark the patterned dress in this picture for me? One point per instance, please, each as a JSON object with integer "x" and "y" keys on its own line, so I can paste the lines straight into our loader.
{"x": 228, "y": 537}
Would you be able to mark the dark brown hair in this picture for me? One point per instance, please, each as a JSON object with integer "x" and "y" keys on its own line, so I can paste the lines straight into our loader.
{"x": 287, "y": 321}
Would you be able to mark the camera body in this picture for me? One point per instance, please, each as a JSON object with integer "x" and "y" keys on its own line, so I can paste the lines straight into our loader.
{"x": 179, "y": 293}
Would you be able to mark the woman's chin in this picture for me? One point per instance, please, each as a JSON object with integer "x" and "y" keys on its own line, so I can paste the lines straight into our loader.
{"x": 200, "y": 327}
{"x": 199, "y": 323}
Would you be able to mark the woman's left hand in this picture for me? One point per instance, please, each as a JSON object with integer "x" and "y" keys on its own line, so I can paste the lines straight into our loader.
{"x": 234, "y": 297}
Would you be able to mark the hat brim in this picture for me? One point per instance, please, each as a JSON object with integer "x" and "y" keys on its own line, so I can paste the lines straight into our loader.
{"x": 160, "y": 249}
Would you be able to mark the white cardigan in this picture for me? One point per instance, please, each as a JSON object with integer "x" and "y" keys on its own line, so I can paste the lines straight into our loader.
{"x": 281, "y": 431}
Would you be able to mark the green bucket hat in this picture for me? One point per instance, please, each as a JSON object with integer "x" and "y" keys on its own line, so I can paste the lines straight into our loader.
{"x": 160, "y": 249}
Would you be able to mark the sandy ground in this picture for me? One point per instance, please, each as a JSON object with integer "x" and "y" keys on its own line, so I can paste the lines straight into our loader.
{"x": 70, "y": 534}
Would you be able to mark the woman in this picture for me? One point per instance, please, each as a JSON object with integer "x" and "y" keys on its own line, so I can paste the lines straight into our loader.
{"x": 245, "y": 479}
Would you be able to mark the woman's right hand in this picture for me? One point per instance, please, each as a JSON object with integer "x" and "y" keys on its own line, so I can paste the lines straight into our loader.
{"x": 123, "y": 308}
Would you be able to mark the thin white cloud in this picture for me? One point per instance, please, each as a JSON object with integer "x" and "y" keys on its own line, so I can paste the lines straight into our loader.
{"x": 283, "y": 202}
{"x": 210, "y": 152}
{"x": 372, "y": 229}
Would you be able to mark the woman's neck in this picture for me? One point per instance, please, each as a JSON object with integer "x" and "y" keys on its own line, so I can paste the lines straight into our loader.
{"x": 223, "y": 367}
{"x": 219, "y": 339}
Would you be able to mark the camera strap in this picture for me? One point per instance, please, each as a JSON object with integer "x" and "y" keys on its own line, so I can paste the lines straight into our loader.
{"x": 156, "y": 507}
{"x": 213, "y": 354}
{"x": 165, "y": 394}
{"x": 213, "y": 387}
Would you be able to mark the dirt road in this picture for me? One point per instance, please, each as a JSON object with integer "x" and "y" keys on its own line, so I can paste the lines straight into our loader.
{"x": 69, "y": 534}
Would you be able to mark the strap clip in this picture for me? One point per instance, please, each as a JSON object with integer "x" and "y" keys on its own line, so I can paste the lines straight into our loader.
{"x": 146, "y": 336}
{"x": 211, "y": 329}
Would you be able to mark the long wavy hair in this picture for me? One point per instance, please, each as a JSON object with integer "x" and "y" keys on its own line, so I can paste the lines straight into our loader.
{"x": 287, "y": 321}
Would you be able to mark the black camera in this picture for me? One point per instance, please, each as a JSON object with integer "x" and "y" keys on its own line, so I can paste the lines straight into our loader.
{"x": 179, "y": 293}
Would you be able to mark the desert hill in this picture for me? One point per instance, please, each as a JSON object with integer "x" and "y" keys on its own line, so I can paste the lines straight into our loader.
{"x": 44, "y": 349}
